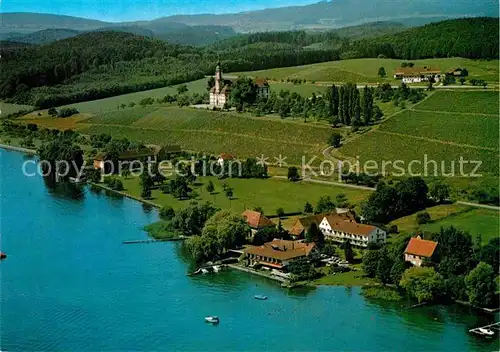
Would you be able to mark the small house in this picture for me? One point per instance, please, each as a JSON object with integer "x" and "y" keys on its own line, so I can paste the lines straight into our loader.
{"x": 418, "y": 249}
{"x": 418, "y": 74}
{"x": 256, "y": 220}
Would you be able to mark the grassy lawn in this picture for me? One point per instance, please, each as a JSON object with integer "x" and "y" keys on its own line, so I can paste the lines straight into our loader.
{"x": 269, "y": 194}
{"x": 474, "y": 220}
{"x": 111, "y": 104}
{"x": 303, "y": 89}
{"x": 6, "y": 108}
{"x": 351, "y": 278}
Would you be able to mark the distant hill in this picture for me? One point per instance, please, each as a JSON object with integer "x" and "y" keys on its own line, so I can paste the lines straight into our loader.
{"x": 27, "y": 22}
{"x": 44, "y": 36}
{"x": 45, "y": 28}
{"x": 323, "y": 15}
{"x": 341, "y": 13}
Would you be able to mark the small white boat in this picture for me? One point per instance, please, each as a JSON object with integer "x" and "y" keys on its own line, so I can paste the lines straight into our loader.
{"x": 204, "y": 271}
{"x": 486, "y": 332}
{"x": 212, "y": 319}
{"x": 261, "y": 297}
{"x": 216, "y": 268}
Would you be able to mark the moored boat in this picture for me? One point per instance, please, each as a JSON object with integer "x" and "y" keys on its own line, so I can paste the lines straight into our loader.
{"x": 486, "y": 332}
{"x": 212, "y": 319}
{"x": 3, "y": 255}
{"x": 261, "y": 297}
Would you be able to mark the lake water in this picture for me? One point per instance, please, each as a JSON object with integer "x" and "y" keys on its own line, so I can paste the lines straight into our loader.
{"x": 70, "y": 284}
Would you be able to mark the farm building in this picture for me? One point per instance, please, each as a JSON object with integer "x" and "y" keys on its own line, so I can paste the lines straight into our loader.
{"x": 418, "y": 74}
{"x": 256, "y": 220}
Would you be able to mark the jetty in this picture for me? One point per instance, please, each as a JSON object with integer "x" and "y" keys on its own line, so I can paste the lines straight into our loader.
{"x": 152, "y": 241}
{"x": 495, "y": 327}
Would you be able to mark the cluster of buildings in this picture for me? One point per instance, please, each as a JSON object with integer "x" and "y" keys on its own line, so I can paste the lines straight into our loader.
{"x": 418, "y": 74}
{"x": 336, "y": 227}
{"x": 425, "y": 74}
{"x": 219, "y": 93}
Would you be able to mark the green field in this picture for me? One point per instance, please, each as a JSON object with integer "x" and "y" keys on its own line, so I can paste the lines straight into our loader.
{"x": 483, "y": 102}
{"x": 474, "y": 220}
{"x": 366, "y": 70}
{"x": 110, "y": 104}
{"x": 270, "y": 194}
{"x": 6, "y": 108}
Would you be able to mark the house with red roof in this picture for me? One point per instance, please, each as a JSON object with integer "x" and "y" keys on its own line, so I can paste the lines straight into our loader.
{"x": 256, "y": 220}
{"x": 279, "y": 253}
{"x": 418, "y": 249}
{"x": 342, "y": 228}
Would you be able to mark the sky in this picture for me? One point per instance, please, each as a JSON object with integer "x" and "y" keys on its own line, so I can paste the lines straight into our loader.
{"x": 128, "y": 10}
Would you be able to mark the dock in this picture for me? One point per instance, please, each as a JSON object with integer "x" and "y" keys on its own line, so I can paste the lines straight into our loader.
{"x": 493, "y": 327}
{"x": 151, "y": 241}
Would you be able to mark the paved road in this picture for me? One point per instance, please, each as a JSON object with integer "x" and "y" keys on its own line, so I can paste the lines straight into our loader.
{"x": 491, "y": 207}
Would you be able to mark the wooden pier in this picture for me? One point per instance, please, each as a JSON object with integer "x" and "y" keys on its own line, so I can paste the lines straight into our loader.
{"x": 493, "y": 327}
{"x": 151, "y": 241}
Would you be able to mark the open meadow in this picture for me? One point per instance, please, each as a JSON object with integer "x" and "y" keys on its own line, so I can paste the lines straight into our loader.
{"x": 7, "y": 109}
{"x": 366, "y": 70}
{"x": 474, "y": 220}
{"x": 270, "y": 194}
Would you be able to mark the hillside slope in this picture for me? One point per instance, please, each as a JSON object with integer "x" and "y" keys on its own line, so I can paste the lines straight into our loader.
{"x": 321, "y": 15}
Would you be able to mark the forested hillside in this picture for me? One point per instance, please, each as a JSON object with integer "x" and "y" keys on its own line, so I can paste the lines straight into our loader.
{"x": 103, "y": 64}
{"x": 474, "y": 38}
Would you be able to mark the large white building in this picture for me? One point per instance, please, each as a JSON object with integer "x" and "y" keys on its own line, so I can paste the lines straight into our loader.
{"x": 339, "y": 229}
{"x": 418, "y": 74}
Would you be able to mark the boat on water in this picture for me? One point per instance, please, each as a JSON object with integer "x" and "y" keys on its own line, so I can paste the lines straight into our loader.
{"x": 486, "y": 332}
{"x": 3, "y": 255}
{"x": 212, "y": 319}
{"x": 261, "y": 297}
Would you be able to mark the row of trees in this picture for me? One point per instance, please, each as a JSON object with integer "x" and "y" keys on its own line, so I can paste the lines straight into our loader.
{"x": 459, "y": 270}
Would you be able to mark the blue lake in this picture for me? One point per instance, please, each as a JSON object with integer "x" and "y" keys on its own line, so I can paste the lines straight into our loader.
{"x": 70, "y": 284}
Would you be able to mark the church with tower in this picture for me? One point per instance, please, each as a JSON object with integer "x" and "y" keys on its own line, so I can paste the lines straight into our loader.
{"x": 219, "y": 93}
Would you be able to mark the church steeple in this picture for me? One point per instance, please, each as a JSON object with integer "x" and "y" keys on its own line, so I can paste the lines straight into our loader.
{"x": 218, "y": 78}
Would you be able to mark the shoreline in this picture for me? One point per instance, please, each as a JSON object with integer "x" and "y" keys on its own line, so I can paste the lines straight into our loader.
{"x": 18, "y": 149}
{"x": 144, "y": 201}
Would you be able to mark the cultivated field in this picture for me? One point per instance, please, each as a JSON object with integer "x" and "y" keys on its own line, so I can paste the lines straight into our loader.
{"x": 211, "y": 132}
{"x": 483, "y": 102}
{"x": 366, "y": 70}
{"x": 443, "y": 136}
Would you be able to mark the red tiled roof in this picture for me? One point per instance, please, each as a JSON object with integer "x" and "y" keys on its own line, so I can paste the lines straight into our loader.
{"x": 302, "y": 224}
{"x": 416, "y": 71}
{"x": 256, "y": 220}
{"x": 348, "y": 225}
{"x": 282, "y": 249}
{"x": 422, "y": 248}
{"x": 260, "y": 82}
{"x": 226, "y": 156}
